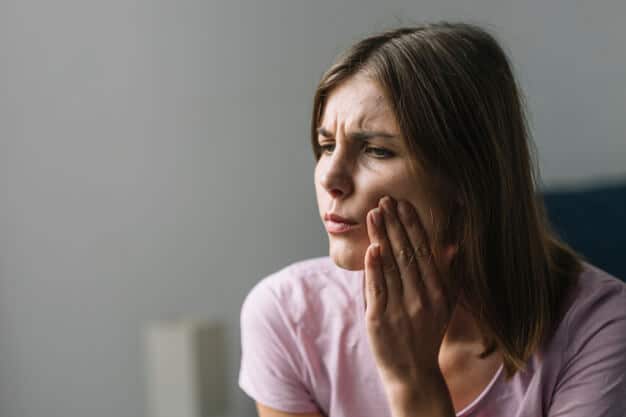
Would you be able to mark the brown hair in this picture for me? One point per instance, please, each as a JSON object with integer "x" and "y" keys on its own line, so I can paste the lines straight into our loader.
{"x": 458, "y": 106}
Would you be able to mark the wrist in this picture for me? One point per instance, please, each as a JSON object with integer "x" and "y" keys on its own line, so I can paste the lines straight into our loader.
{"x": 416, "y": 380}
{"x": 425, "y": 395}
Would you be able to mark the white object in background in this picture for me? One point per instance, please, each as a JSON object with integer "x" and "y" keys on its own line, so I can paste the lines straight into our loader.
{"x": 185, "y": 369}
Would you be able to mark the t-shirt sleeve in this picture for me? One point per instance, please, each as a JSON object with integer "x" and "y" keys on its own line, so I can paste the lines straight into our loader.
{"x": 271, "y": 370}
{"x": 593, "y": 380}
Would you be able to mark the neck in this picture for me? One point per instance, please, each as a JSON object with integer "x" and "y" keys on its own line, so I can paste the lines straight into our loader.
{"x": 462, "y": 331}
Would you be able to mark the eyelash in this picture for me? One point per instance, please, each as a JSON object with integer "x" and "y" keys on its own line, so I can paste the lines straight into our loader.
{"x": 387, "y": 154}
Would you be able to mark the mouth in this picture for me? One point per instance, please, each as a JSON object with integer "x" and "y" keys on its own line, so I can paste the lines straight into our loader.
{"x": 339, "y": 227}
{"x": 338, "y": 219}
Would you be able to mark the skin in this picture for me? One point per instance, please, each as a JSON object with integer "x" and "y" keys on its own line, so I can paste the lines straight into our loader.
{"x": 367, "y": 179}
{"x": 403, "y": 290}
{"x": 351, "y": 179}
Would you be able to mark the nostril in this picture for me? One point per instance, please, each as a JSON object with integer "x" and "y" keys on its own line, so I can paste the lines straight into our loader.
{"x": 335, "y": 193}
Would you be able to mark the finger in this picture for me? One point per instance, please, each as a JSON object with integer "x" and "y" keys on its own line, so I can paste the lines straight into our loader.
{"x": 419, "y": 241}
{"x": 376, "y": 230}
{"x": 403, "y": 252}
{"x": 373, "y": 221}
{"x": 375, "y": 291}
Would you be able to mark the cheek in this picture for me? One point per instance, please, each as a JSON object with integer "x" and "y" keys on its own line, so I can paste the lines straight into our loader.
{"x": 318, "y": 171}
{"x": 319, "y": 189}
{"x": 430, "y": 218}
{"x": 316, "y": 178}
{"x": 413, "y": 193}
{"x": 398, "y": 189}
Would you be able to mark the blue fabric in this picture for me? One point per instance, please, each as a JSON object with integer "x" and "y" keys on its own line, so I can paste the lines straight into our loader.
{"x": 593, "y": 222}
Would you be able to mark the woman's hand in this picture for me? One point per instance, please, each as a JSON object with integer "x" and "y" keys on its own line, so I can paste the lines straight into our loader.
{"x": 408, "y": 304}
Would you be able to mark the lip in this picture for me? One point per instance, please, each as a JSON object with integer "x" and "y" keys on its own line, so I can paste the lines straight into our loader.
{"x": 338, "y": 219}
{"x": 337, "y": 224}
{"x": 338, "y": 227}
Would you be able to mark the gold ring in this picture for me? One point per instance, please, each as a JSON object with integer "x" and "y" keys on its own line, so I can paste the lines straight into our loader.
{"x": 404, "y": 255}
{"x": 422, "y": 251}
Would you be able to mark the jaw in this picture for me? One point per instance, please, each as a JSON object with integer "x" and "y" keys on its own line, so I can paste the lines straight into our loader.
{"x": 347, "y": 253}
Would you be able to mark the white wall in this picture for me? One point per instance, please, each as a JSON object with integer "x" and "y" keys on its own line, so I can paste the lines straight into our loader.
{"x": 155, "y": 163}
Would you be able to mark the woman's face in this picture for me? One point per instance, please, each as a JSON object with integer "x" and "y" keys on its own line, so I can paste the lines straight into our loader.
{"x": 364, "y": 157}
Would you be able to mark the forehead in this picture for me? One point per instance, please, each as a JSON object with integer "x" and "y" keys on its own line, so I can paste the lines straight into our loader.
{"x": 358, "y": 102}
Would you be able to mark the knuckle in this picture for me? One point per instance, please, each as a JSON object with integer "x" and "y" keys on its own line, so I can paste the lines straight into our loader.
{"x": 375, "y": 324}
{"x": 389, "y": 267}
{"x": 404, "y": 257}
{"x": 415, "y": 309}
{"x": 437, "y": 297}
{"x": 376, "y": 288}
{"x": 410, "y": 224}
{"x": 396, "y": 319}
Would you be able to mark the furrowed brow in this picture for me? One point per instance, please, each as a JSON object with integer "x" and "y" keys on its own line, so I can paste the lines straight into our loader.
{"x": 359, "y": 135}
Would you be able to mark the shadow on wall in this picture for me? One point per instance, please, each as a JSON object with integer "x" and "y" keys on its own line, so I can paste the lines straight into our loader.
{"x": 593, "y": 221}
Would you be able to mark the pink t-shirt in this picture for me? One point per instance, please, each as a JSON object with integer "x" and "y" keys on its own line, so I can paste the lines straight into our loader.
{"x": 305, "y": 349}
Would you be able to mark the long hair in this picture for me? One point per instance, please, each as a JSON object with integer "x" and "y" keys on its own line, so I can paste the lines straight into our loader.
{"x": 460, "y": 110}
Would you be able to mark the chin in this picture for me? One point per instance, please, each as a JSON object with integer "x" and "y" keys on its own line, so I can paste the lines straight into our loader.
{"x": 347, "y": 256}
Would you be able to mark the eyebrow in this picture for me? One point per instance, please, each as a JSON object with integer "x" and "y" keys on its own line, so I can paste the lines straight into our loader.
{"x": 359, "y": 135}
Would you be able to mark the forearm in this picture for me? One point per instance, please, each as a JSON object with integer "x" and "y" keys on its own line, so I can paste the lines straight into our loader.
{"x": 429, "y": 397}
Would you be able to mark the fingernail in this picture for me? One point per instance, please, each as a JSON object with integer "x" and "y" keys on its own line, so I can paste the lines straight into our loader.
{"x": 387, "y": 204}
{"x": 376, "y": 216}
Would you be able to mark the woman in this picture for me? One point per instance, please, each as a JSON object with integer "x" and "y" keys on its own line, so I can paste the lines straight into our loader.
{"x": 445, "y": 291}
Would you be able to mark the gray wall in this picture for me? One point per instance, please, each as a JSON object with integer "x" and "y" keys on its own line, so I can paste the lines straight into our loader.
{"x": 155, "y": 163}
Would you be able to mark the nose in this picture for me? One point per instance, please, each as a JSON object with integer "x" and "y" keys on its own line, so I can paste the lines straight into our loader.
{"x": 336, "y": 177}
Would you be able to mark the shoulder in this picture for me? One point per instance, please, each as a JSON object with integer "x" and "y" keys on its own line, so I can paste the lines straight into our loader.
{"x": 295, "y": 290}
{"x": 293, "y": 280}
{"x": 597, "y": 295}
{"x": 588, "y": 355}
{"x": 298, "y": 276}
{"x": 597, "y": 309}
{"x": 277, "y": 367}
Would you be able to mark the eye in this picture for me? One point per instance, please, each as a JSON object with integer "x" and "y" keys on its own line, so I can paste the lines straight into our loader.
{"x": 380, "y": 152}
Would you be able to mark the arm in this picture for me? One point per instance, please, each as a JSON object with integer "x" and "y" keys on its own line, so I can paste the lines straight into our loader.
{"x": 270, "y": 412}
